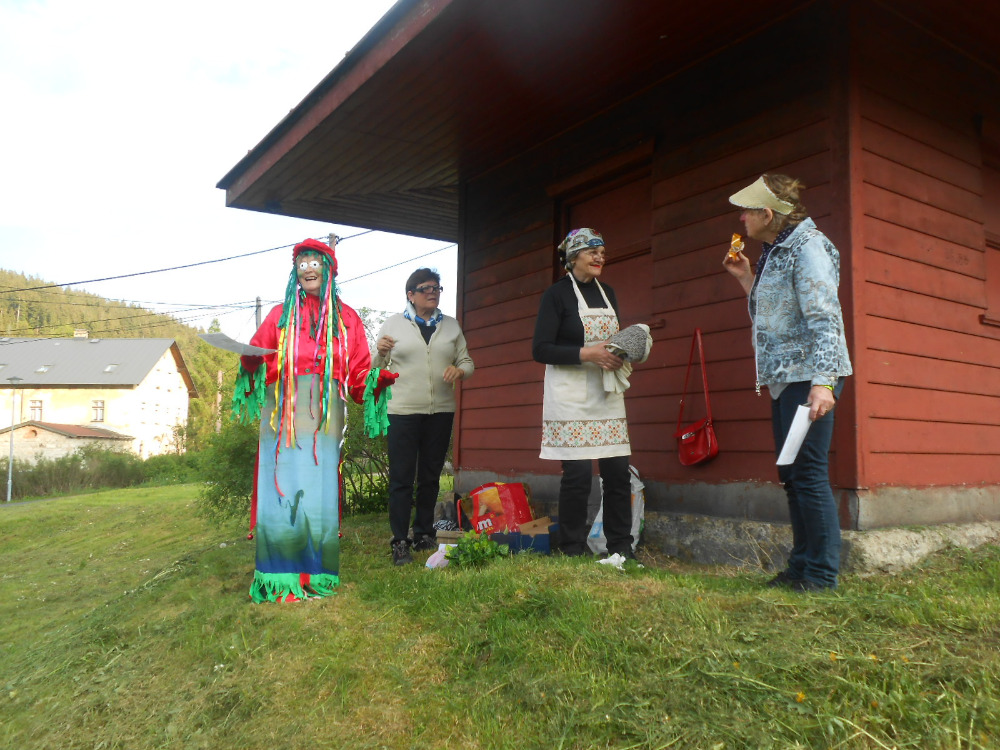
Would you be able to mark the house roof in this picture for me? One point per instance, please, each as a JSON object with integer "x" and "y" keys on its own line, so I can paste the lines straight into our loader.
{"x": 85, "y": 362}
{"x": 71, "y": 430}
{"x": 441, "y": 91}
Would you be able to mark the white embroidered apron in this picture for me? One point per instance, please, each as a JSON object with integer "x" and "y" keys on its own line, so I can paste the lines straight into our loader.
{"x": 580, "y": 419}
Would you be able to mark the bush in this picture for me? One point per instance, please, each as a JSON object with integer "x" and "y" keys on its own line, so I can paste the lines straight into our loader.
{"x": 227, "y": 467}
{"x": 171, "y": 468}
{"x": 88, "y": 468}
{"x": 365, "y": 467}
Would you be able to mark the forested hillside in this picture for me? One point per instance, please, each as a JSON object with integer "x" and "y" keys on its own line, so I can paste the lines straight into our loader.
{"x": 57, "y": 312}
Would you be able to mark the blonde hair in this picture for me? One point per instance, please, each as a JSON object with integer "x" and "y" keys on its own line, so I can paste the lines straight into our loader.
{"x": 787, "y": 189}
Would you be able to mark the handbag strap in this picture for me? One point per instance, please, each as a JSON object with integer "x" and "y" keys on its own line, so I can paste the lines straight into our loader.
{"x": 695, "y": 342}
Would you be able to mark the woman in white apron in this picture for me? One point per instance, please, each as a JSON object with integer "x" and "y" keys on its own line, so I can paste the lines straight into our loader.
{"x": 580, "y": 420}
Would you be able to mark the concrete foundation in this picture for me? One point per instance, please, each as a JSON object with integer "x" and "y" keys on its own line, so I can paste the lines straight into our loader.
{"x": 745, "y": 524}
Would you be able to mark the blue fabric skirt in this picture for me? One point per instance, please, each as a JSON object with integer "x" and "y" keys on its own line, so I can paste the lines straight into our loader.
{"x": 298, "y": 502}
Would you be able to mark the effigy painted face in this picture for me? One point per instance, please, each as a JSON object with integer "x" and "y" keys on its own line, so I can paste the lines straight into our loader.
{"x": 309, "y": 269}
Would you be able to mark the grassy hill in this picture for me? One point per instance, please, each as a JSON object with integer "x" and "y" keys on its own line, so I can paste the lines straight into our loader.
{"x": 125, "y": 623}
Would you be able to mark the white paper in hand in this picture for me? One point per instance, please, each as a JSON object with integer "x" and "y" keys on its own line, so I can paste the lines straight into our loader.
{"x": 796, "y": 434}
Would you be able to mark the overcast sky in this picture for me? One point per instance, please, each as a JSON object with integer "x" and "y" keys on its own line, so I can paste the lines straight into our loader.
{"x": 119, "y": 118}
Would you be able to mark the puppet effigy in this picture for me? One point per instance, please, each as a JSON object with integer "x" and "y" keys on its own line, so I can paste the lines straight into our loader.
{"x": 320, "y": 358}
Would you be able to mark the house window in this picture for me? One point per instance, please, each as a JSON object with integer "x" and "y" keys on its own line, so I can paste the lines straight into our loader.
{"x": 96, "y": 411}
{"x": 35, "y": 410}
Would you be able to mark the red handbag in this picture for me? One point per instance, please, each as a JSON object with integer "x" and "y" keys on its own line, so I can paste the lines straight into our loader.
{"x": 696, "y": 442}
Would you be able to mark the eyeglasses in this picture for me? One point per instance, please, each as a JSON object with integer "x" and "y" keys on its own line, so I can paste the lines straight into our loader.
{"x": 594, "y": 253}
{"x": 429, "y": 288}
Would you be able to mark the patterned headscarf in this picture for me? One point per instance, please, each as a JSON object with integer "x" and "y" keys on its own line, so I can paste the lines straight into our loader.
{"x": 577, "y": 240}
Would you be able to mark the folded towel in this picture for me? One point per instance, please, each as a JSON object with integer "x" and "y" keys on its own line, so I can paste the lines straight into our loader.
{"x": 632, "y": 343}
{"x": 616, "y": 381}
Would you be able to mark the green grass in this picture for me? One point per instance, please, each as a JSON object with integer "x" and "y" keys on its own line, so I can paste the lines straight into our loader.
{"x": 125, "y": 623}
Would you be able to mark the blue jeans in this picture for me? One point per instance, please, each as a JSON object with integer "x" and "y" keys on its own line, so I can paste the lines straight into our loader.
{"x": 815, "y": 553}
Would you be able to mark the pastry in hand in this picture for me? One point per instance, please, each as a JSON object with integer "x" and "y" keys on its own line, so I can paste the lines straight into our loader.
{"x": 736, "y": 246}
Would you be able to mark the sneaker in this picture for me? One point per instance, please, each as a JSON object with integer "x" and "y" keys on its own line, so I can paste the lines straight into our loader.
{"x": 401, "y": 552}
{"x": 784, "y": 578}
{"x": 424, "y": 542}
{"x": 628, "y": 554}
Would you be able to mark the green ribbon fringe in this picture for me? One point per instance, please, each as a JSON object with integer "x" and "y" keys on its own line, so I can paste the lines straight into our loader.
{"x": 270, "y": 587}
{"x": 247, "y": 402}
{"x": 376, "y": 410}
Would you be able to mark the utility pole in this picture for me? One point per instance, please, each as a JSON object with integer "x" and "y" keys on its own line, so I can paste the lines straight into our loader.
{"x": 218, "y": 403}
{"x": 258, "y": 313}
{"x": 10, "y": 459}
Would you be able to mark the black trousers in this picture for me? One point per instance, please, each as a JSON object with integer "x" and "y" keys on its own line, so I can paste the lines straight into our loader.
{"x": 418, "y": 444}
{"x": 574, "y": 489}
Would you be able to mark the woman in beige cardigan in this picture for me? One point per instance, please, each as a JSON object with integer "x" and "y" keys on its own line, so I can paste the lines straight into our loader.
{"x": 428, "y": 350}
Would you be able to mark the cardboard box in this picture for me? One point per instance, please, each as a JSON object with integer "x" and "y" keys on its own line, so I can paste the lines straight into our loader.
{"x": 535, "y": 535}
{"x": 449, "y": 537}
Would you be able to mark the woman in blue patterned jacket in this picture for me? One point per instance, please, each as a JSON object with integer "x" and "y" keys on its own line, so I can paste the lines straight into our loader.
{"x": 801, "y": 356}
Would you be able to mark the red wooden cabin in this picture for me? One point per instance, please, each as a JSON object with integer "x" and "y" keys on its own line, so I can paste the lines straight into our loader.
{"x": 500, "y": 125}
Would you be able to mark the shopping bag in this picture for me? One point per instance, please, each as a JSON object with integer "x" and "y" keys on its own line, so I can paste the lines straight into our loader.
{"x": 497, "y": 506}
{"x": 596, "y": 540}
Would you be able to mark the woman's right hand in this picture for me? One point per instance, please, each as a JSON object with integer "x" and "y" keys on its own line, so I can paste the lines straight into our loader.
{"x": 600, "y": 356}
{"x": 384, "y": 345}
{"x": 739, "y": 267}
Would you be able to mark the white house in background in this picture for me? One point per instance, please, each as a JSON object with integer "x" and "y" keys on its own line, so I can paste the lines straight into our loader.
{"x": 132, "y": 392}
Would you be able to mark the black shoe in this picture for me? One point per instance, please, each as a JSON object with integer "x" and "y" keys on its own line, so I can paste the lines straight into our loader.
{"x": 401, "y": 552}
{"x": 804, "y": 585}
{"x": 424, "y": 542}
{"x": 784, "y": 578}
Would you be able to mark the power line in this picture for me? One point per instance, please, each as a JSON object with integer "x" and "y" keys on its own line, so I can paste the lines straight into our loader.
{"x": 204, "y": 310}
{"x": 394, "y": 265}
{"x": 172, "y": 268}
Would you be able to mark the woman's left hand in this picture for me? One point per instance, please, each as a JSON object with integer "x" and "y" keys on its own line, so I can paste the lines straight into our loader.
{"x": 453, "y": 374}
{"x": 821, "y": 401}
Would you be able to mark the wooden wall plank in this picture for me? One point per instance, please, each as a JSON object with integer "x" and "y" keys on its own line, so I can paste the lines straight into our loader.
{"x": 920, "y": 470}
{"x": 904, "y": 211}
{"x": 894, "y": 146}
{"x": 928, "y": 374}
{"x": 929, "y": 190}
{"x": 905, "y": 112}
{"x": 906, "y": 242}
{"x": 893, "y": 402}
{"x": 904, "y": 337}
{"x": 921, "y": 436}
{"x": 523, "y": 308}
{"x": 933, "y": 312}
{"x": 893, "y": 273}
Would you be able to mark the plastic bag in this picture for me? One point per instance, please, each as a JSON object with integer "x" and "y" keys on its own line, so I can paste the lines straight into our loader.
{"x": 596, "y": 540}
{"x": 439, "y": 559}
{"x": 497, "y": 506}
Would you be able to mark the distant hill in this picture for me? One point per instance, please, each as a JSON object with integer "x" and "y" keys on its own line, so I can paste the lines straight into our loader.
{"x": 57, "y": 312}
